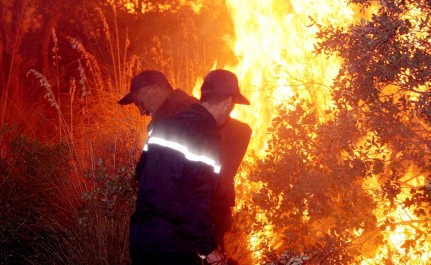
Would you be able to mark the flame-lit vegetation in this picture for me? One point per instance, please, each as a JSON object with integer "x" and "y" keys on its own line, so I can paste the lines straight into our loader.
{"x": 355, "y": 188}
{"x": 338, "y": 170}
{"x": 67, "y": 149}
{"x": 384, "y": 85}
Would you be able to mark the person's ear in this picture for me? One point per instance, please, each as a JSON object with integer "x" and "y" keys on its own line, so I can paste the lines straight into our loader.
{"x": 226, "y": 103}
{"x": 229, "y": 102}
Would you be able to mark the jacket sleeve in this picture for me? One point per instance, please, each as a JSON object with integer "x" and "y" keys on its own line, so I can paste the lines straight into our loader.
{"x": 185, "y": 185}
{"x": 197, "y": 218}
{"x": 140, "y": 165}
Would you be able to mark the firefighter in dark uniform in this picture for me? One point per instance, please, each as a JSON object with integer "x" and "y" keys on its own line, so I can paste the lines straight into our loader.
{"x": 155, "y": 96}
{"x": 180, "y": 173}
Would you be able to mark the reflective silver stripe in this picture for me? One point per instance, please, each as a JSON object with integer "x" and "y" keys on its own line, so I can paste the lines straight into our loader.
{"x": 183, "y": 149}
{"x": 145, "y": 149}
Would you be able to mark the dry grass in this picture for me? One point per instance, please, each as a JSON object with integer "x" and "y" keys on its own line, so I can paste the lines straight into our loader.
{"x": 85, "y": 218}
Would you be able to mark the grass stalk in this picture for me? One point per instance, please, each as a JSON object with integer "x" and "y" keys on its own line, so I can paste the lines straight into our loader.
{"x": 5, "y": 99}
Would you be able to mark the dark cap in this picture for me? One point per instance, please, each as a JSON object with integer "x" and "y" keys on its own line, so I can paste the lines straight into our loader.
{"x": 145, "y": 78}
{"x": 223, "y": 82}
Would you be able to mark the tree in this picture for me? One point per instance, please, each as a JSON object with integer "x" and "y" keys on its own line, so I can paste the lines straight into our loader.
{"x": 317, "y": 173}
{"x": 385, "y": 79}
{"x": 313, "y": 192}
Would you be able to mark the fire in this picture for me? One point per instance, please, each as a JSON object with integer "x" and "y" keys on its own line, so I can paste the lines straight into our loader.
{"x": 406, "y": 223}
{"x": 274, "y": 44}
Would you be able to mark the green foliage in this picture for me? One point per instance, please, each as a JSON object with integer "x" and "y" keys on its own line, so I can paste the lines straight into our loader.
{"x": 33, "y": 178}
{"x": 51, "y": 217}
{"x": 102, "y": 220}
{"x": 111, "y": 192}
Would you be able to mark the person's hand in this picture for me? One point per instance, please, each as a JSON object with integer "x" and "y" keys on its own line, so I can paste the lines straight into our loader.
{"x": 216, "y": 258}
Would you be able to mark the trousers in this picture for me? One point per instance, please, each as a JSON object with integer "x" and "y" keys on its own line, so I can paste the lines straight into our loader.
{"x": 157, "y": 241}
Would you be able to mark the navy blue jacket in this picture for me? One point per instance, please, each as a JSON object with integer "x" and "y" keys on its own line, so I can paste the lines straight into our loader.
{"x": 234, "y": 140}
{"x": 180, "y": 173}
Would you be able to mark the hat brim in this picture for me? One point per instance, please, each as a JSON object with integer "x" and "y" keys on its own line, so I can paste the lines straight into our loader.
{"x": 240, "y": 99}
{"x": 126, "y": 100}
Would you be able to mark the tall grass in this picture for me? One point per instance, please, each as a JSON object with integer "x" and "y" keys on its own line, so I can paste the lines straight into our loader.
{"x": 15, "y": 26}
{"x": 80, "y": 213}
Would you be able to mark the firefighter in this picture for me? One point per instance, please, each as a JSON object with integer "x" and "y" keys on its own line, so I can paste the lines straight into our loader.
{"x": 153, "y": 95}
{"x": 172, "y": 221}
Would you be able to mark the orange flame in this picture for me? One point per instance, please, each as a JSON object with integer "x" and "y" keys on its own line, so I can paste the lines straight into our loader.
{"x": 274, "y": 44}
{"x": 406, "y": 223}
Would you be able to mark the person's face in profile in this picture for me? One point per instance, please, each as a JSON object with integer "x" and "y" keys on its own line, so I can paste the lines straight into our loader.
{"x": 142, "y": 100}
